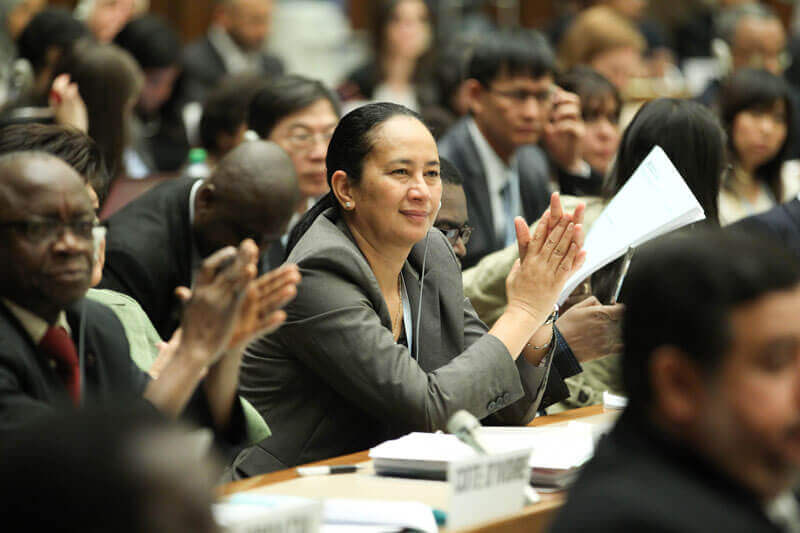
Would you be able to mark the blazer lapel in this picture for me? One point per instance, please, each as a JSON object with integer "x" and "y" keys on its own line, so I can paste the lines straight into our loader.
{"x": 428, "y": 351}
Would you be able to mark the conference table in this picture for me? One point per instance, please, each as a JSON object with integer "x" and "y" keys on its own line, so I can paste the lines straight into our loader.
{"x": 364, "y": 484}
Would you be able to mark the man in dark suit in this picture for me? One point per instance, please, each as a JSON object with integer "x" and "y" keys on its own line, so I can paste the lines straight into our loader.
{"x": 513, "y": 104}
{"x": 710, "y": 440}
{"x": 58, "y": 349}
{"x": 156, "y": 243}
{"x": 234, "y": 44}
{"x": 781, "y": 224}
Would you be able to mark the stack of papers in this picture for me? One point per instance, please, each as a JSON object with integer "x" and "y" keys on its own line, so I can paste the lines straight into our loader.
{"x": 653, "y": 202}
{"x": 558, "y": 452}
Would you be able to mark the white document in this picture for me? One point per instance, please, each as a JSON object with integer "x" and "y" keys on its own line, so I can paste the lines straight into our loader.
{"x": 554, "y": 447}
{"x": 654, "y": 201}
{"x": 249, "y": 512}
{"x": 377, "y": 515}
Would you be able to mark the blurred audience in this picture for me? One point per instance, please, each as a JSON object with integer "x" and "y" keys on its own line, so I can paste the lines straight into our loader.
{"x": 402, "y": 43}
{"x": 14, "y": 16}
{"x": 601, "y": 105}
{"x": 223, "y": 123}
{"x": 105, "y": 18}
{"x": 110, "y": 82}
{"x": 158, "y": 135}
{"x": 756, "y": 110}
{"x": 44, "y": 42}
{"x": 233, "y": 45}
{"x": 606, "y": 41}
{"x": 299, "y": 114}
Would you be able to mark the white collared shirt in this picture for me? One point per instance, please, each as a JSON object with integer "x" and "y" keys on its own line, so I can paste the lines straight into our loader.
{"x": 195, "y": 260}
{"x": 33, "y": 324}
{"x": 498, "y": 174}
{"x": 235, "y": 59}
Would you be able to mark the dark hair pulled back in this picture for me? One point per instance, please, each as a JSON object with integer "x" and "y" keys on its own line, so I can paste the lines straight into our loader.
{"x": 350, "y": 144}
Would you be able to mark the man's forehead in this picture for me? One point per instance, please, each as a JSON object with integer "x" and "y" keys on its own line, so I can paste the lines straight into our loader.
{"x": 768, "y": 317}
{"x": 31, "y": 181}
{"x": 523, "y": 79}
{"x": 454, "y": 204}
{"x": 753, "y": 30}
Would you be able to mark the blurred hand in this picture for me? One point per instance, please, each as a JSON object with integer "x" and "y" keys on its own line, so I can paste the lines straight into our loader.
{"x": 546, "y": 260}
{"x": 67, "y": 105}
{"x": 564, "y": 133}
{"x": 260, "y": 312}
{"x": 592, "y": 329}
{"x": 212, "y": 309}
{"x": 166, "y": 350}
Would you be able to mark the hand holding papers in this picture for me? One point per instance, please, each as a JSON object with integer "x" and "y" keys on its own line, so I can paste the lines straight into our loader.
{"x": 654, "y": 201}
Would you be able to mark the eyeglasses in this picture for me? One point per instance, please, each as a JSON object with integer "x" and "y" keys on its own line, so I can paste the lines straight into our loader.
{"x": 453, "y": 234}
{"x": 48, "y": 229}
{"x": 520, "y": 96}
{"x": 304, "y": 140}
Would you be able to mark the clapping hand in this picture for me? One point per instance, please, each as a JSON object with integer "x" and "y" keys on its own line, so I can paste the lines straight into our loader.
{"x": 546, "y": 259}
{"x": 68, "y": 107}
{"x": 259, "y": 312}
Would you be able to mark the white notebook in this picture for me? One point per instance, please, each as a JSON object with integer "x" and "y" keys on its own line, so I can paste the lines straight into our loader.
{"x": 654, "y": 201}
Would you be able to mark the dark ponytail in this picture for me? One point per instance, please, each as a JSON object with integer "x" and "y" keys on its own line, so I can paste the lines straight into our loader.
{"x": 350, "y": 144}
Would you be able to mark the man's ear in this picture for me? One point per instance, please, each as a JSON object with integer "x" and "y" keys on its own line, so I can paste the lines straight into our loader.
{"x": 343, "y": 190}
{"x": 204, "y": 200}
{"x": 678, "y": 386}
{"x": 475, "y": 91}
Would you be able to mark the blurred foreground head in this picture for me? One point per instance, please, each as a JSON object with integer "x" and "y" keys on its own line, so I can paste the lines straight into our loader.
{"x": 712, "y": 352}
{"x": 123, "y": 471}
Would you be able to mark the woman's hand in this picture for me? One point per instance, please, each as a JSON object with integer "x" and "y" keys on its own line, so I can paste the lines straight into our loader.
{"x": 546, "y": 260}
{"x": 67, "y": 105}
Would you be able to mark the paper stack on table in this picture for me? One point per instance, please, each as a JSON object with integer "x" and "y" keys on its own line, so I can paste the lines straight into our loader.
{"x": 653, "y": 202}
{"x": 558, "y": 451}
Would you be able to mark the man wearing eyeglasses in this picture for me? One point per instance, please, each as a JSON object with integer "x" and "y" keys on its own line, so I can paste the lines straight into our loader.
{"x": 60, "y": 350}
{"x": 514, "y": 103}
{"x": 452, "y": 217}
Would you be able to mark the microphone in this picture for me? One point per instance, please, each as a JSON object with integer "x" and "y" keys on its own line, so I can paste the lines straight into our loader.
{"x": 465, "y": 426}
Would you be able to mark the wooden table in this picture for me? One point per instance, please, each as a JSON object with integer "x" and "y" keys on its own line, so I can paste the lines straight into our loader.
{"x": 532, "y": 518}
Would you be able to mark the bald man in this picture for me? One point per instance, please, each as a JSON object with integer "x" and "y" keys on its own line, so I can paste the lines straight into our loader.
{"x": 58, "y": 349}
{"x": 156, "y": 243}
{"x": 233, "y": 45}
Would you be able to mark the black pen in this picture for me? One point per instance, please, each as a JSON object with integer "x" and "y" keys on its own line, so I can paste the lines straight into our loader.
{"x": 326, "y": 470}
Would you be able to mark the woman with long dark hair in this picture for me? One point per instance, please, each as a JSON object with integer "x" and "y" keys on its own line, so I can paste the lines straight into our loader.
{"x": 380, "y": 340}
{"x": 757, "y": 112}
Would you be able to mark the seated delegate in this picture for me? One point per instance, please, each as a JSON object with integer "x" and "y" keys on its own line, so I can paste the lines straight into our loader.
{"x": 380, "y": 340}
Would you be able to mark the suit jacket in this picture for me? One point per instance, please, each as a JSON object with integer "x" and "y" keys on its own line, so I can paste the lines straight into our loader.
{"x": 781, "y": 224}
{"x": 29, "y": 387}
{"x": 457, "y": 146}
{"x": 640, "y": 480}
{"x": 149, "y": 251}
{"x": 332, "y": 380}
{"x": 203, "y": 67}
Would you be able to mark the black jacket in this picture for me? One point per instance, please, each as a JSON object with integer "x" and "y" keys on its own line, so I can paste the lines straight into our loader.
{"x": 640, "y": 480}
{"x": 203, "y": 67}
{"x": 781, "y": 224}
{"x": 149, "y": 251}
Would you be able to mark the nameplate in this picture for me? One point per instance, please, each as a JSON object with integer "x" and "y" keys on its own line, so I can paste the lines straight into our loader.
{"x": 264, "y": 513}
{"x": 487, "y": 487}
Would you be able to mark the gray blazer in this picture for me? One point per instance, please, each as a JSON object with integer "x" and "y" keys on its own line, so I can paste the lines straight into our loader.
{"x": 332, "y": 380}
